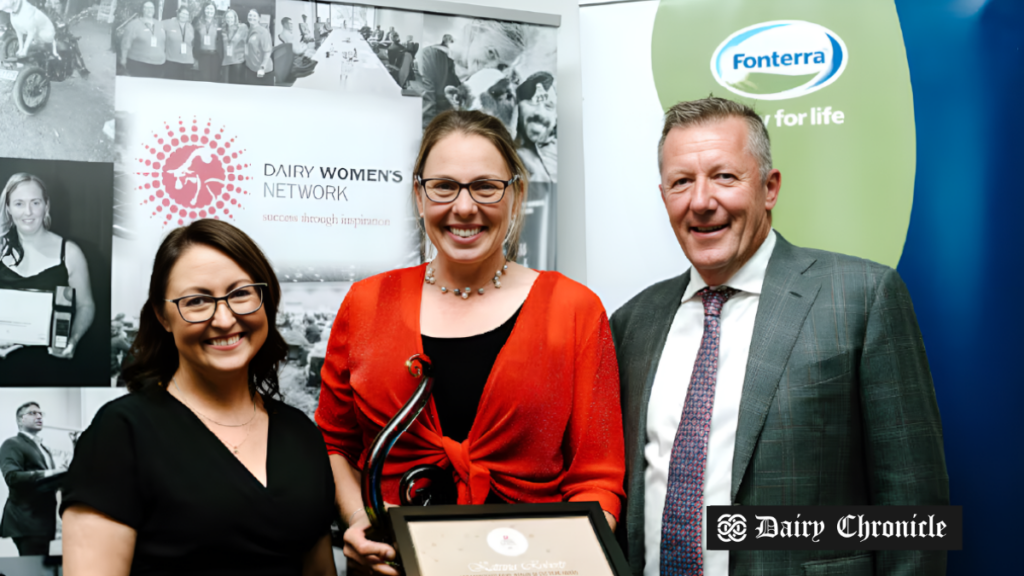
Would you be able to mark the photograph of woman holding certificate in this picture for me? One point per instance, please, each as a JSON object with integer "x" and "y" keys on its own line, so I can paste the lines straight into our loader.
{"x": 525, "y": 405}
{"x": 202, "y": 469}
{"x": 32, "y": 258}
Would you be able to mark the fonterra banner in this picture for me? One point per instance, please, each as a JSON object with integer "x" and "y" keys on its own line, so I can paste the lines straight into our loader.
{"x": 830, "y": 80}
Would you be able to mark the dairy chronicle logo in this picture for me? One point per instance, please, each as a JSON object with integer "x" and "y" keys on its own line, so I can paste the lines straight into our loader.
{"x": 779, "y": 59}
{"x": 732, "y": 528}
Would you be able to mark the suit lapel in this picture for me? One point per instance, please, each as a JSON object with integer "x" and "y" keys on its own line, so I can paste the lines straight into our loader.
{"x": 786, "y": 298}
{"x": 34, "y": 449}
{"x": 658, "y": 332}
{"x": 653, "y": 321}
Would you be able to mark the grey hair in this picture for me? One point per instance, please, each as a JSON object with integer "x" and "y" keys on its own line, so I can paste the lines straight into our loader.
{"x": 710, "y": 109}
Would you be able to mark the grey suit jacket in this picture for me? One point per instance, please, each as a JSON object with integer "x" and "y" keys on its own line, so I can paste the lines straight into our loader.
{"x": 838, "y": 405}
{"x": 31, "y": 508}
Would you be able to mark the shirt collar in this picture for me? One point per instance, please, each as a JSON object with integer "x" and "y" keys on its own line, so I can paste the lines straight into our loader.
{"x": 29, "y": 436}
{"x": 749, "y": 278}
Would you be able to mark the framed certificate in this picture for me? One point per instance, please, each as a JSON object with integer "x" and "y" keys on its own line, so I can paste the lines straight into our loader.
{"x": 25, "y": 317}
{"x": 561, "y": 539}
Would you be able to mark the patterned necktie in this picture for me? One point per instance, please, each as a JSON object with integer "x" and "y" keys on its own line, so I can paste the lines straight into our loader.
{"x": 684, "y": 501}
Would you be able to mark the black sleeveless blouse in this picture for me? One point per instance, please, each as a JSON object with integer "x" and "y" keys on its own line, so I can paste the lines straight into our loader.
{"x": 49, "y": 279}
{"x": 33, "y": 365}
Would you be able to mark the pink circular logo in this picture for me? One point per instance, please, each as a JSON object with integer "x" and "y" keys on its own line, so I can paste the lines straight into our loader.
{"x": 191, "y": 172}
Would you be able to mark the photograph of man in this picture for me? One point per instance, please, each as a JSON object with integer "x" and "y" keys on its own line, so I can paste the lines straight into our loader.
{"x": 30, "y": 514}
{"x": 537, "y": 134}
{"x": 299, "y": 62}
{"x": 767, "y": 374}
{"x": 305, "y": 34}
{"x": 435, "y": 72}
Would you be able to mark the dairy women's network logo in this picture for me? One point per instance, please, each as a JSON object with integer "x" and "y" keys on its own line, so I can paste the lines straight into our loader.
{"x": 779, "y": 60}
{"x": 190, "y": 171}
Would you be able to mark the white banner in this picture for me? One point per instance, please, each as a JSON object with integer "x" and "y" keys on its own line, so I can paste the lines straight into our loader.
{"x": 326, "y": 197}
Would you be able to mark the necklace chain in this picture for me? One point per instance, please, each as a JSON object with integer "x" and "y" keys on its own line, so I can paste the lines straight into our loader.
{"x": 234, "y": 447}
{"x": 465, "y": 292}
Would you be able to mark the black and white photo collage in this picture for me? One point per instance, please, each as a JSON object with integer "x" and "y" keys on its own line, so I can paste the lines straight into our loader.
{"x": 296, "y": 121}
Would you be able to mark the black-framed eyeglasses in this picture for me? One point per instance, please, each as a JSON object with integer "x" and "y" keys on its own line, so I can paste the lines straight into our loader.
{"x": 446, "y": 190}
{"x": 199, "y": 308}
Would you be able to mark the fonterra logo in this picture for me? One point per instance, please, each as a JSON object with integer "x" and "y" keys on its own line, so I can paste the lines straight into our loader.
{"x": 779, "y": 60}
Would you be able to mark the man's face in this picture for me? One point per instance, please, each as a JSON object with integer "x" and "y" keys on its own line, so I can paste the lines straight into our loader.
{"x": 31, "y": 419}
{"x": 714, "y": 196}
{"x": 539, "y": 114}
{"x": 490, "y": 91}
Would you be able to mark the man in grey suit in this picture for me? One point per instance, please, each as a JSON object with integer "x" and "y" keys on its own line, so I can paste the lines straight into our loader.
{"x": 767, "y": 374}
{"x": 30, "y": 514}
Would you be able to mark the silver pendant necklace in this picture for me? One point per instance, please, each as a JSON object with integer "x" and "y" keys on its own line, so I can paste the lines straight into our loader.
{"x": 465, "y": 292}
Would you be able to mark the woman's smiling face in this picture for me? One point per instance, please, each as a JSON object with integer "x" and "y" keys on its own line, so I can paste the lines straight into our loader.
{"x": 464, "y": 230}
{"x": 226, "y": 343}
{"x": 27, "y": 207}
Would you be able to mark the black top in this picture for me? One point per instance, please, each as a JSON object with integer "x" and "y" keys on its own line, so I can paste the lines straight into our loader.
{"x": 49, "y": 279}
{"x": 147, "y": 461}
{"x": 33, "y": 365}
{"x": 461, "y": 367}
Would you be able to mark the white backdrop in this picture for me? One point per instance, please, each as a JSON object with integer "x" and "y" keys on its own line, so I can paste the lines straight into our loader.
{"x": 629, "y": 243}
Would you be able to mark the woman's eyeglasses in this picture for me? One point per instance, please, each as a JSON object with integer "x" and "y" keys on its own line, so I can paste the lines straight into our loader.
{"x": 198, "y": 308}
{"x": 446, "y": 190}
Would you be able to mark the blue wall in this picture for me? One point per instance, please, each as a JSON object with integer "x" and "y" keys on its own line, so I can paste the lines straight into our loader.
{"x": 962, "y": 260}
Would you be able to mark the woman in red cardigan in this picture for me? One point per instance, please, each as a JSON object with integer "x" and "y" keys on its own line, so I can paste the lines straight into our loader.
{"x": 525, "y": 406}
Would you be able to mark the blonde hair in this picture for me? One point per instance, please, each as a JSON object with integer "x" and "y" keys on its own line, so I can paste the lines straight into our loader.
{"x": 10, "y": 243}
{"x": 476, "y": 123}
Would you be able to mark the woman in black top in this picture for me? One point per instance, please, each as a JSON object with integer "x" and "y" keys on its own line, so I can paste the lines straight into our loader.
{"x": 34, "y": 258}
{"x": 201, "y": 470}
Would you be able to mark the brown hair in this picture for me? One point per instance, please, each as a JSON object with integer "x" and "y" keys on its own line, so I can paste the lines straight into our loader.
{"x": 156, "y": 356}
{"x": 476, "y": 123}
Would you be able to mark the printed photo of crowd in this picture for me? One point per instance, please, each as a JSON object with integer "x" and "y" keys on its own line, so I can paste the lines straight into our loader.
{"x": 226, "y": 41}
